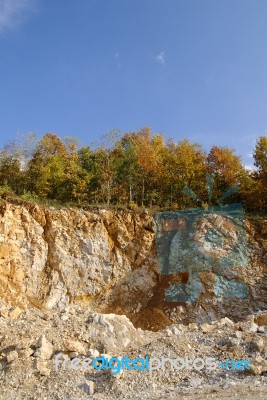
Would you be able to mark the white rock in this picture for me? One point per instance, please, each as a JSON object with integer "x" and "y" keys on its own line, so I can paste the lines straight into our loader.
{"x": 11, "y": 356}
{"x": 26, "y": 353}
{"x": 249, "y": 327}
{"x": 258, "y": 366}
{"x": 45, "y": 349}
{"x": 193, "y": 327}
{"x": 93, "y": 353}
{"x": 206, "y": 328}
{"x": 258, "y": 343}
{"x": 15, "y": 313}
{"x": 73, "y": 345}
{"x": 226, "y": 321}
{"x": 42, "y": 368}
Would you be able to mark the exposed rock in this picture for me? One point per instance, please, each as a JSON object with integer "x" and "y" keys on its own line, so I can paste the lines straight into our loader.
{"x": 93, "y": 353}
{"x": 88, "y": 387}
{"x": 15, "y": 312}
{"x": 12, "y": 356}
{"x": 108, "y": 258}
{"x": 42, "y": 368}
{"x": 25, "y": 353}
{"x": 249, "y": 326}
{"x": 258, "y": 366}
{"x": 193, "y": 327}
{"x": 261, "y": 319}
{"x": 258, "y": 343}
{"x": 206, "y": 328}
{"x": 195, "y": 382}
{"x": 74, "y": 346}
{"x": 89, "y": 280}
{"x": 226, "y": 321}
{"x": 45, "y": 349}
{"x": 4, "y": 313}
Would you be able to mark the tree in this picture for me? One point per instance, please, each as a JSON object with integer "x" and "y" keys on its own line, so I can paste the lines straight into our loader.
{"x": 46, "y": 169}
{"x": 184, "y": 165}
{"x": 227, "y": 168}
{"x": 260, "y": 176}
{"x": 11, "y": 174}
{"x": 147, "y": 149}
{"x": 260, "y": 154}
{"x": 14, "y": 158}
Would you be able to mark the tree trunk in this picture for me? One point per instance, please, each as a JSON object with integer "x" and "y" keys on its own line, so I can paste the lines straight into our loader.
{"x": 143, "y": 192}
{"x": 108, "y": 193}
{"x": 131, "y": 196}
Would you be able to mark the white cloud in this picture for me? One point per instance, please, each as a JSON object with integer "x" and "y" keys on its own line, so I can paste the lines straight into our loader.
{"x": 161, "y": 58}
{"x": 250, "y": 167}
{"x": 14, "y": 12}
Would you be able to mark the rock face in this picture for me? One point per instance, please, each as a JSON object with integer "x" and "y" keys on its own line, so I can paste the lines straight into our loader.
{"x": 78, "y": 284}
{"x": 52, "y": 257}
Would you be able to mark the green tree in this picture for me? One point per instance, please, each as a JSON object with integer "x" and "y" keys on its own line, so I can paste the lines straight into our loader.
{"x": 260, "y": 176}
{"x": 260, "y": 154}
{"x": 46, "y": 169}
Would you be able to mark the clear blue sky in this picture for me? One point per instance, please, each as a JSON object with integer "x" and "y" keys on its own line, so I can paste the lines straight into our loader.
{"x": 187, "y": 68}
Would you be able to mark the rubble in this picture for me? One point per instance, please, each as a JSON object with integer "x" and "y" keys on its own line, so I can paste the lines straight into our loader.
{"x": 261, "y": 319}
{"x": 84, "y": 283}
{"x": 44, "y": 349}
{"x": 29, "y": 355}
{"x": 74, "y": 346}
{"x": 11, "y": 356}
{"x": 258, "y": 366}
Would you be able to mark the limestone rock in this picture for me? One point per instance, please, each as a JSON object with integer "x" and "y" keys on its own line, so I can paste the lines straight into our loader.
{"x": 193, "y": 327}
{"x": 206, "y": 328}
{"x": 259, "y": 344}
{"x": 226, "y": 321}
{"x": 249, "y": 327}
{"x": 93, "y": 353}
{"x": 25, "y": 353}
{"x": 258, "y": 366}
{"x": 42, "y": 368}
{"x": 261, "y": 319}
{"x": 45, "y": 349}
{"x": 88, "y": 387}
{"x": 12, "y": 356}
{"x": 15, "y": 312}
{"x": 74, "y": 346}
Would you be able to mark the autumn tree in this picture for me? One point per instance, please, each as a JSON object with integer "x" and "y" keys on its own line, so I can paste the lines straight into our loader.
{"x": 45, "y": 171}
{"x": 260, "y": 176}
{"x": 14, "y": 158}
{"x": 11, "y": 175}
{"x": 183, "y": 165}
{"x": 227, "y": 169}
{"x": 145, "y": 149}
{"x": 260, "y": 154}
{"x": 135, "y": 167}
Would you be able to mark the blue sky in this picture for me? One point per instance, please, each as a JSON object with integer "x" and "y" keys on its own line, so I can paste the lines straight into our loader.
{"x": 187, "y": 68}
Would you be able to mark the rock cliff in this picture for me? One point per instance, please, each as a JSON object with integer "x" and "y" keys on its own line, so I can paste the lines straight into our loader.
{"x": 52, "y": 257}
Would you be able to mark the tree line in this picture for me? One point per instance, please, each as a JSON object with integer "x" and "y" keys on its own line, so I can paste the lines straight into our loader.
{"x": 131, "y": 169}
